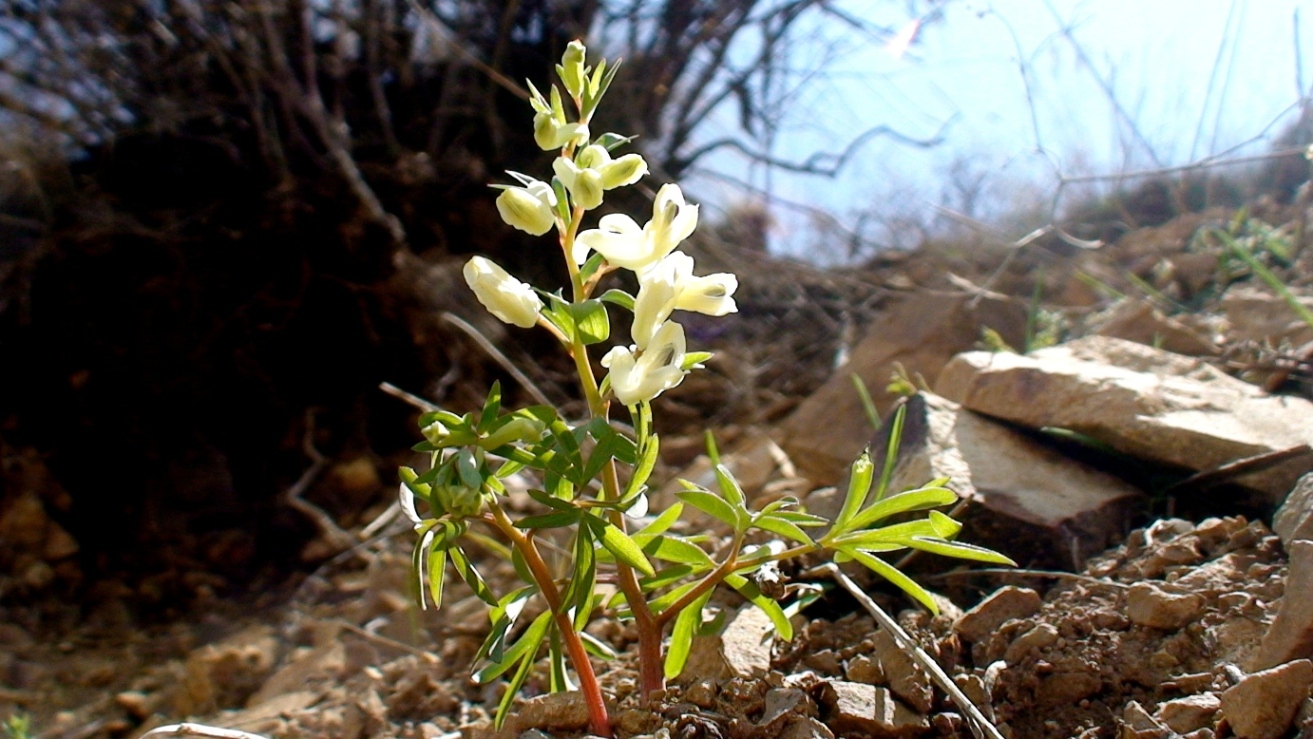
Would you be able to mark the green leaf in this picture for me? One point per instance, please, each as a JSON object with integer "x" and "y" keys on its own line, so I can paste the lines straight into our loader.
{"x": 590, "y": 267}
{"x": 557, "y": 312}
{"x": 800, "y": 518}
{"x": 528, "y": 643}
{"x": 643, "y": 470}
{"x": 785, "y": 528}
{"x": 556, "y": 520}
{"x": 713, "y": 452}
{"x": 712, "y": 505}
{"x": 597, "y": 647}
{"x": 491, "y": 407}
{"x": 503, "y": 618}
{"x": 669, "y": 548}
{"x": 666, "y": 576}
{"x": 583, "y": 579}
{"x": 618, "y": 297}
{"x": 945, "y": 526}
{"x": 612, "y": 141}
{"x": 681, "y": 636}
{"x": 659, "y": 525}
{"x": 896, "y": 535}
{"x": 891, "y": 573}
{"x": 860, "y": 476}
{"x": 468, "y": 467}
{"x": 912, "y": 500}
{"x": 591, "y": 321}
{"x": 693, "y": 360}
{"x": 730, "y": 487}
{"x": 619, "y": 544}
{"x": 748, "y": 589}
{"x": 525, "y": 665}
{"x": 891, "y": 454}
{"x": 549, "y": 500}
{"x": 471, "y": 576}
{"x": 959, "y": 550}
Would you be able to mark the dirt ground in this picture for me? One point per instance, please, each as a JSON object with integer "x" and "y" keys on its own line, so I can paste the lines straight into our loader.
{"x": 345, "y": 653}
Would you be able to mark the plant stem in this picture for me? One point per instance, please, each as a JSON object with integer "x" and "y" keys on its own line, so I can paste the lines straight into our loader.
{"x": 651, "y": 676}
{"x": 711, "y": 580}
{"x": 592, "y": 690}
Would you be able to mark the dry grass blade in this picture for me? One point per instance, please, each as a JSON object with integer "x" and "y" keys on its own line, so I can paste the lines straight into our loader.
{"x": 199, "y": 730}
{"x": 980, "y": 726}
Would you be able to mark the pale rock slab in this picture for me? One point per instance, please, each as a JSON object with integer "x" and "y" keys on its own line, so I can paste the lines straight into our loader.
{"x": 1059, "y": 510}
{"x": 1138, "y": 321}
{"x": 1263, "y": 705}
{"x": 1253, "y": 315}
{"x": 855, "y": 707}
{"x": 1004, "y": 605}
{"x": 1294, "y": 519}
{"x": 1184, "y": 715}
{"x": 1149, "y": 605}
{"x": 920, "y": 332}
{"x": 746, "y": 643}
{"x": 1290, "y": 636}
{"x": 1141, "y": 401}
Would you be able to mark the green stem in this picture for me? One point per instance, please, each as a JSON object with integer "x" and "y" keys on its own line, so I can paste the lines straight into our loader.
{"x": 711, "y": 580}
{"x": 592, "y": 690}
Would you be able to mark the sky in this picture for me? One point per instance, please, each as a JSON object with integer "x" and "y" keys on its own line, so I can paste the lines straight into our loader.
{"x": 1024, "y": 93}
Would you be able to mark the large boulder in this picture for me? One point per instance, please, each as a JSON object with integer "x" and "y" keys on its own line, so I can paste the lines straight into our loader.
{"x": 1144, "y": 402}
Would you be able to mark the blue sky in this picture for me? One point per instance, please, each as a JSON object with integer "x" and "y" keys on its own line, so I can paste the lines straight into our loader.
{"x": 1132, "y": 85}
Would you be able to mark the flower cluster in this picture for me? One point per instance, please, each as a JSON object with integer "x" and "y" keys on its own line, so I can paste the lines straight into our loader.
{"x": 657, "y": 358}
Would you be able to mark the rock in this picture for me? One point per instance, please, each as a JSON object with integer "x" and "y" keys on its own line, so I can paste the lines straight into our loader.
{"x": 1294, "y": 519}
{"x": 920, "y": 332}
{"x": 1031, "y": 643}
{"x": 858, "y": 708}
{"x": 1252, "y": 315}
{"x": 1149, "y": 605}
{"x": 1184, "y": 715}
{"x": 225, "y": 674}
{"x": 746, "y": 643}
{"x": 863, "y": 669}
{"x": 807, "y": 727}
{"x": 782, "y": 706}
{"x": 320, "y": 664}
{"x": 1138, "y": 321}
{"x": 754, "y": 459}
{"x": 1004, "y": 605}
{"x": 903, "y": 676}
{"x": 1028, "y": 492}
{"x": 1291, "y": 634}
{"x": 552, "y": 712}
{"x": 1150, "y": 404}
{"x": 1263, "y": 705}
{"x": 1138, "y": 724}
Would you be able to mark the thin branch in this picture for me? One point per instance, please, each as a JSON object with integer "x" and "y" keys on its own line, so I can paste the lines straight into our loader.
{"x": 825, "y": 164}
{"x": 980, "y": 726}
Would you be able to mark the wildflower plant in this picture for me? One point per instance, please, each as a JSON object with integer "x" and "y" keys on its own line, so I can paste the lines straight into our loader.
{"x": 594, "y": 524}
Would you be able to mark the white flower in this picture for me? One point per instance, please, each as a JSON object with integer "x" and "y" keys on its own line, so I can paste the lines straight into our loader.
{"x": 624, "y": 244}
{"x": 670, "y": 285}
{"x": 636, "y": 378}
{"x": 529, "y": 208}
{"x": 504, "y": 296}
{"x": 593, "y": 170}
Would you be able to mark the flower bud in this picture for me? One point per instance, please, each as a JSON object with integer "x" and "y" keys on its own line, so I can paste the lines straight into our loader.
{"x": 573, "y": 73}
{"x": 505, "y": 297}
{"x": 624, "y": 171}
{"x": 528, "y": 208}
{"x": 517, "y": 429}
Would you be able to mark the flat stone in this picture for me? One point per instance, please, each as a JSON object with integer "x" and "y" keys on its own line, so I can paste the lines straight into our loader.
{"x": 1149, "y": 605}
{"x": 1184, "y": 715}
{"x": 1294, "y": 519}
{"x": 920, "y": 332}
{"x": 855, "y": 707}
{"x": 1150, "y": 404}
{"x": 1263, "y": 705}
{"x": 1290, "y": 636}
{"x": 1253, "y": 315}
{"x": 746, "y": 643}
{"x": 903, "y": 676}
{"x": 807, "y": 727}
{"x": 1028, "y": 492}
{"x": 1004, "y": 605}
{"x": 1138, "y": 321}
{"x": 864, "y": 669}
{"x": 566, "y": 711}
{"x": 1031, "y": 643}
{"x": 1138, "y": 724}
